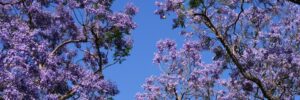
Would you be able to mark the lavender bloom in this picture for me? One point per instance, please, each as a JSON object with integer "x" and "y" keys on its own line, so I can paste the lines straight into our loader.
{"x": 37, "y": 59}
{"x": 254, "y": 42}
{"x": 184, "y": 72}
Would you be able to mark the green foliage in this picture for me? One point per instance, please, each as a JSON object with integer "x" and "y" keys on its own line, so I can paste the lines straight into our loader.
{"x": 179, "y": 22}
{"x": 195, "y": 3}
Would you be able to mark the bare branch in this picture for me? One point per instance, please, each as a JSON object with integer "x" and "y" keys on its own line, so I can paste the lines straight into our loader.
{"x": 71, "y": 41}
{"x": 110, "y": 65}
{"x": 176, "y": 95}
{"x": 69, "y": 94}
{"x": 237, "y": 19}
{"x": 65, "y": 43}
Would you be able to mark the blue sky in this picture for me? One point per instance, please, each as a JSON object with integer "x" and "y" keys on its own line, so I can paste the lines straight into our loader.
{"x": 130, "y": 75}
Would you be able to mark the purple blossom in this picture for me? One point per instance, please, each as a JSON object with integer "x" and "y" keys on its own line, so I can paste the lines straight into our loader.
{"x": 183, "y": 69}
{"x": 36, "y": 59}
{"x": 131, "y": 9}
{"x": 254, "y": 42}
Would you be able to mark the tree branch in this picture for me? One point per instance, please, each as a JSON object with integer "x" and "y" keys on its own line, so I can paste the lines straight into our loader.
{"x": 65, "y": 43}
{"x": 68, "y": 94}
{"x": 98, "y": 53}
{"x": 177, "y": 97}
{"x": 233, "y": 57}
{"x": 295, "y": 1}
{"x": 237, "y": 19}
{"x": 99, "y": 71}
{"x": 71, "y": 41}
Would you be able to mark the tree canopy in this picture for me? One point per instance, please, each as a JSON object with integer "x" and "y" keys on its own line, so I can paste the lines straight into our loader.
{"x": 255, "y": 45}
{"x": 57, "y": 49}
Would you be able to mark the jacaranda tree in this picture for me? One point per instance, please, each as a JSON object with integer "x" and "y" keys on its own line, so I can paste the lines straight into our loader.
{"x": 255, "y": 47}
{"x": 58, "y": 49}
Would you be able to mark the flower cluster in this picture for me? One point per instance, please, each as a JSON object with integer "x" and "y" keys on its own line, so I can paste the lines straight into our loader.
{"x": 37, "y": 60}
{"x": 184, "y": 74}
{"x": 254, "y": 41}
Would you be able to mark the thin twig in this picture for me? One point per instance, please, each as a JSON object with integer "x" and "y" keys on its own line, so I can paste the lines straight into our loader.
{"x": 65, "y": 43}
{"x": 237, "y": 19}
{"x": 85, "y": 39}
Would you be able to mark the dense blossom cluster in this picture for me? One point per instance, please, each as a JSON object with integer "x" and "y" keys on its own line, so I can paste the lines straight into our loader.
{"x": 184, "y": 72}
{"x": 255, "y": 45}
{"x": 54, "y": 49}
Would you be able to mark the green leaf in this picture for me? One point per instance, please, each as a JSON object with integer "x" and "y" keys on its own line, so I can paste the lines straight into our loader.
{"x": 195, "y": 3}
{"x": 179, "y": 22}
